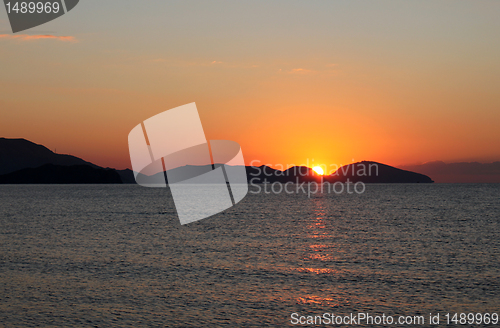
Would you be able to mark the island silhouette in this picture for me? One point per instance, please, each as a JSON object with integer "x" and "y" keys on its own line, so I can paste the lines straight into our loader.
{"x": 25, "y": 162}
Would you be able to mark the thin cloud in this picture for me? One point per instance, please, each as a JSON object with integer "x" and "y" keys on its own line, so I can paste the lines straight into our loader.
{"x": 26, "y": 37}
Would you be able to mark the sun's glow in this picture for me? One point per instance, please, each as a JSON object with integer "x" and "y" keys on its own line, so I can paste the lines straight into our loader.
{"x": 318, "y": 170}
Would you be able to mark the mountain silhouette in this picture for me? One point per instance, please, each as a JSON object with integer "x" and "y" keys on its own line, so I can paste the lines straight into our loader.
{"x": 23, "y": 161}
{"x": 17, "y": 154}
{"x": 127, "y": 176}
{"x": 58, "y": 174}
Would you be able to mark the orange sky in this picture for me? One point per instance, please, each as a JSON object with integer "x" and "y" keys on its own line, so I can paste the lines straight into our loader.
{"x": 292, "y": 82}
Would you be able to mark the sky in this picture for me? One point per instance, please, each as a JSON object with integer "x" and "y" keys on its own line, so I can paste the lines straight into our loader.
{"x": 293, "y": 82}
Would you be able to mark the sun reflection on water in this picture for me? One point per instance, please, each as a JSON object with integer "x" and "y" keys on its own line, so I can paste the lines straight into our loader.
{"x": 318, "y": 271}
{"x": 331, "y": 302}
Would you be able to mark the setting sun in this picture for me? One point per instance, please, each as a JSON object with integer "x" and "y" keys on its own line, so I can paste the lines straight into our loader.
{"x": 318, "y": 170}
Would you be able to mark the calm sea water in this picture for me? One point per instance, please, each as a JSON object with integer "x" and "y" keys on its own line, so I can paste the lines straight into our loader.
{"x": 116, "y": 256}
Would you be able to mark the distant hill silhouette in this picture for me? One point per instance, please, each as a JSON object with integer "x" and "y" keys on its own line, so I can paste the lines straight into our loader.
{"x": 17, "y": 154}
{"x": 49, "y": 173}
{"x": 255, "y": 174}
{"x": 366, "y": 172}
{"x": 373, "y": 172}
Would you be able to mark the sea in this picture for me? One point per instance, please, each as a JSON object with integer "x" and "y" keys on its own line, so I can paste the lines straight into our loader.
{"x": 117, "y": 256}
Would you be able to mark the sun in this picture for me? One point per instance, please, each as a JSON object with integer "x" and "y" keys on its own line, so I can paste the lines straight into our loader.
{"x": 318, "y": 170}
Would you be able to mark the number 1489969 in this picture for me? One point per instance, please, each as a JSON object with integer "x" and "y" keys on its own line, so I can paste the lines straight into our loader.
{"x": 19, "y": 7}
